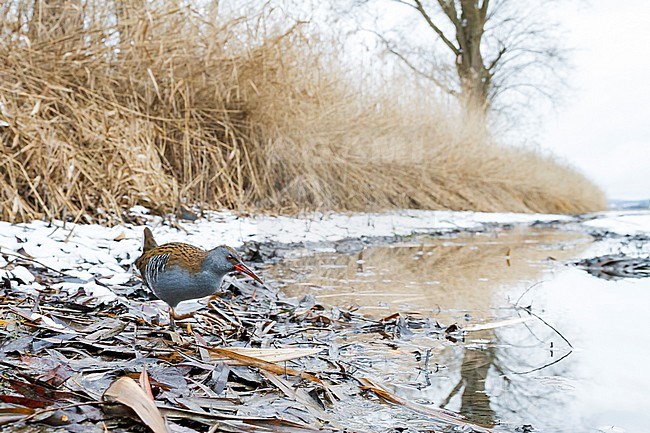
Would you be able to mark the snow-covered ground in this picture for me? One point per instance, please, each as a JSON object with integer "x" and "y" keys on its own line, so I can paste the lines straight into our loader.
{"x": 622, "y": 223}
{"x": 93, "y": 254}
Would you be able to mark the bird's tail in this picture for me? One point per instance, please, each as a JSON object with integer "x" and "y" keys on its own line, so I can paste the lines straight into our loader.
{"x": 149, "y": 241}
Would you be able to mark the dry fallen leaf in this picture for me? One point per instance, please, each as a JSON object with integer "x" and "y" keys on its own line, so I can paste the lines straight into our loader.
{"x": 127, "y": 391}
{"x": 236, "y": 354}
{"x": 444, "y": 415}
{"x": 268, "y": 354}
{"x": 119, "y": 237}
{"x": 144, "y": 382}
{"x": 498, "y": 324}
{"x": 10, "y": 415}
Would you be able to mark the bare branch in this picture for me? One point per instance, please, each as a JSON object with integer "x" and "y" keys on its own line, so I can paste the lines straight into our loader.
{"x": 391, "y": 49}
{"x": 435, "y": 28}
{"x": 494, "y": 62}
{"x": 484, "y": 9}
{"x": 449, "y": 8}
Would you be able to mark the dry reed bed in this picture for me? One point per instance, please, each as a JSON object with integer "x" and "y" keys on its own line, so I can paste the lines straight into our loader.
{"x": 109, "y": 106}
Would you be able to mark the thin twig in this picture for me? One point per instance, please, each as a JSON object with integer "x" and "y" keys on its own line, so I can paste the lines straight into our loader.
{"x": 547, "y": 324}
{"x": 30, "y": 259}
{"x": 528, "y": 290}
{"x": 67, "y": 406}
{"x": 545, "y": 365}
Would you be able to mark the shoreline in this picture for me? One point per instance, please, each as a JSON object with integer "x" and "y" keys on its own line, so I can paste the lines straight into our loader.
{"x": 97, "y": 257}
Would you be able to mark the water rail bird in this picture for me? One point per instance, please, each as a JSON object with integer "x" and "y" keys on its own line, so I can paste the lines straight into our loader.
{"x": 177, "y": 271}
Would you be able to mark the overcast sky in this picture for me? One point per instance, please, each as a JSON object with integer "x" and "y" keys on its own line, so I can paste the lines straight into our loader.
{"x": 603, "y": 128}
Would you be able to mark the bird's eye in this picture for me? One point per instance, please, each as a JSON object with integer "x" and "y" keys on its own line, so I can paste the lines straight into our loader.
{"x": 230, "y": 258}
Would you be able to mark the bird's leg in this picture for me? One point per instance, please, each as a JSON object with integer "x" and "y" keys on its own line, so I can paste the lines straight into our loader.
{"x": 172, "y": 316}
{"x": 212, "y": 298}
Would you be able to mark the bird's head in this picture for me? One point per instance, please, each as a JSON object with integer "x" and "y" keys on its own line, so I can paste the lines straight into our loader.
{"x": 224, "y": 260}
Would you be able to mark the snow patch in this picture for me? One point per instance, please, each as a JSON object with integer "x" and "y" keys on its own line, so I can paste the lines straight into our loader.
{"x": 93, "y": 290}
{"x": 20, "y": 273}
{"x": 51, "y": 324}
{"x": 622, "y": 223}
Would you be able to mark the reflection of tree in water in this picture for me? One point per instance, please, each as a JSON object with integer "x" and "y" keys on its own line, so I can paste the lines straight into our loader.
{"x": 475, "y": 400}
{"x": 533, "y": 395}
{"x": 490, "y": 382}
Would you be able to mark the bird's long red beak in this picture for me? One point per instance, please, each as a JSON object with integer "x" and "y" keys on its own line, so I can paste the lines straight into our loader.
{"x": 242, "y": 268}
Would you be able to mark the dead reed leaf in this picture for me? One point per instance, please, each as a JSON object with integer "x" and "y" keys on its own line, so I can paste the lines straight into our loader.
{"x": 263, "y": 364}
{"x": 298, "y": 395}
{"x": 234, "y": 421}
{"x": 10, "y": 415}
{"x": 269, "y": 355}
{"x": 436, "y": 413}
{"x": 127, "y": 391}
{"x": 143, "y": 380}
{"x": 498, "y": 324}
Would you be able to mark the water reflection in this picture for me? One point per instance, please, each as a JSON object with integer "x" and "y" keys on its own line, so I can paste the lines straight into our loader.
{"x": 504, "y": 377}
{"x": 452, "y": 278}
{"x": 475, "y": 401}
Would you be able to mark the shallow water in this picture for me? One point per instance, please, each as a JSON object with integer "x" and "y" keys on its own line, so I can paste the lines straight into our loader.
{"x": 510, "y": 376}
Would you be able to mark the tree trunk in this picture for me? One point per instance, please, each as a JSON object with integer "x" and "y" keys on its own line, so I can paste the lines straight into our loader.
{"x": 474, "y": 76}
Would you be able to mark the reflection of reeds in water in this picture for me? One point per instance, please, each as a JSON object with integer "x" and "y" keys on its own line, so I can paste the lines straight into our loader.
{"x": 439, "y": 274}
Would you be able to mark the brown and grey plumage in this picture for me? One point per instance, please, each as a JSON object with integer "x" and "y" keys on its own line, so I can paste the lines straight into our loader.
{"x": 177, "y": 271}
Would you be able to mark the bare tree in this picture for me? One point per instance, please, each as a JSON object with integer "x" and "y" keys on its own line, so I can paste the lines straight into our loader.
{"x": 491, "y": 54}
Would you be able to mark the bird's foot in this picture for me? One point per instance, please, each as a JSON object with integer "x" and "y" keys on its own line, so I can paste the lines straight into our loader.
{"x": 174, "y": 316}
